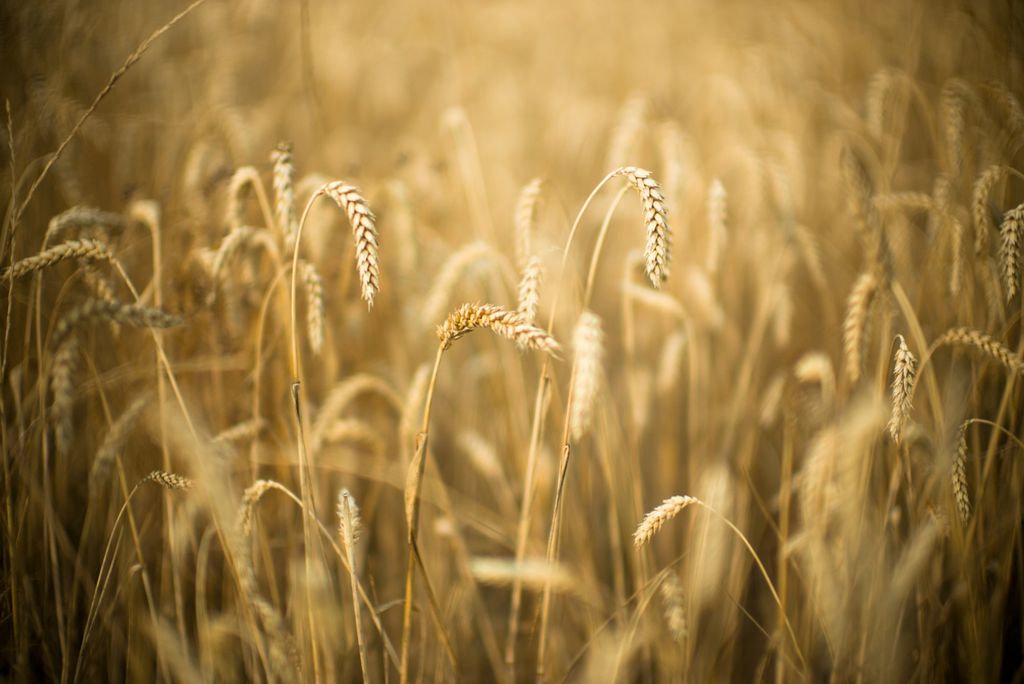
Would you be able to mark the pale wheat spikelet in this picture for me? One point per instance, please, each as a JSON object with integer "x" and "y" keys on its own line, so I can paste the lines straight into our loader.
{"x": 350, "y": 526}
{"x": 588, "y": 345}
{"x": 450, "y": 275}
{"x": 959, "y": 476}
{"x": 364, "y": 231}
{"x": 903, "y": 374}
{"x": 858, "y": 306}
{"x": 967, "y": 337}
{"x": 89, "y": 251}
{"x": 124, "y": 314}
{"x": 65, "y": 361}
{"x": 168, "y": 480}
{"x": 250, "y": 499}
{"x": 983, "y": 225}
{"x": 113, "y": 443}
{"x": 652, "y": 522}
{"x": 240, "y": 432}
{"x": 525, "y": 219}
{"x": 675, "y": 609}
{"x": 529, "y": 289}
{"x": 953, "y": 109}
{"x": 658, "y": 249}
{"x": 879, "y": 97}
{"x": 314, "y": 304}
{"x": 503, "y": 322}
{"x": 895, "y": 201}
{"x": 242, "y": 179}
{"x": 84, "y": 217}
{"x": 284, "y": 191}
{"x": 717, "y": 217}
{"x": 1010, "y": 239}
{"x": 629, "y": 125}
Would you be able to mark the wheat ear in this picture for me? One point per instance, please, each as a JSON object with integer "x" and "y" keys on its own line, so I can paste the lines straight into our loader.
{"x": 349, "y": 529}
{"x": 983, "y": 226}
{"x": 113, "y": 442}
{"x": 717, "y": 216}
{"x": 506, "y": 323}
{"x": 86, "y": 250}
{"x": 65, "y": 361}
{"x": 653, "y": 521}
{"x": 314, "y": 305}
{"x": 858, "y": 307}
{"x": 169, "y": 480}
{"x": 986, "y": 344}
{"x": 903, "y": 374}
{"x": 529, "y": 289}
{"x": 658, "y": 249}
{"x": 124, "y": 314}
{"x": 1010, "y": 239}
{"x": 84, "y": 217}
{"x": 588, "y": 344}
{"x": 284, "y": 191}
{"x": 525, "y": 219}
{"x": 959, "y": 476}
{"x": 675, "y": 611}
{"x": 364, "y": 231}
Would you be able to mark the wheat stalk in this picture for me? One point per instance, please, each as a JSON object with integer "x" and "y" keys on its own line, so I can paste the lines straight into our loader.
{"x": 364, "y": 231}
{"x": 858, "y": 307}
{"x": 529, "y": 289}
{"x": 588, "y": 344}
{"x": 89, "y": 251}
{"x": 284, "y": 191}
{"x": 525, "y": 219}
{"x": 980, "y": 206}
{"x": 653, "y": 521}
{"x": 508, "y": 324}
{"x": 903, "y": 374}
{"x": 1010, "y": 241}
{"x": 658, "y": 249}
{"x": 986, "y": 344}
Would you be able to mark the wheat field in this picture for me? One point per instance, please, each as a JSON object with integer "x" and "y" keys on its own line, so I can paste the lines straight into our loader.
{"x": 512, "y": 341}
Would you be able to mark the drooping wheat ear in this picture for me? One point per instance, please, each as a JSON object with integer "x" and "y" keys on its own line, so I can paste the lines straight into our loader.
{"x": 284, "y": 191}
{"x": 169, "y": 480}
{"x": 675, "y": 609}
{"x": 998, "y": 351}
{"x": 529, "y": 289}
{"x": 1010, "y": 239}
{"x": 903, "y": 373}
{"x": 251, "y": 499}
{"x": 112, "y": 444}
{"x": 237, "y": 240}
{"x": 628, "y": 126}
{"x": 62, "y": 385}
{"x": 84, "y": 250}
{"x": 953, "y": 106}
{"x": 506, "y": 323}
{"x": 652, "y": 522}
{"x": 858, "y": 306}
{"x": 314, "y": 305}
{"x": 364, "y": 231}
{"x": 344, "y": 393}
{"x": 717, "y": 215}
{"x": 84, "y": 217}
{"x": 350, "y": 526}
{"x": 894, "y": 201}
{"x": 588, "y": 345}
{"x": 118, "y": 312}
{"x": 242, "y": 179}
{"x": 240, "y": 432}
{"x": 525, "y": 219}
{"x": 983, "y": 225}
{"x": 450, "y": 275}
{"x": 658, "y": 249}
{"x": 959, "y": 476}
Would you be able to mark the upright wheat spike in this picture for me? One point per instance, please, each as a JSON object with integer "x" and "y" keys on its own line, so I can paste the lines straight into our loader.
{"x": 982, "y": 213}
{"x": 588, "y": 344}
{"x": 314, "y": 305}
{"x": 505, "y": 323}
{"x": 967, "y": 337}
{"x": 953, "y": 115}
{"x": 1010, "y": 240}
{"x": 125, "y": 314}
{"x": 65, "y": 361}
{"x": 529, "y": 289}
{"x": 89, "y": 251}
{"x": 717, "y": 216}
{"x": 858, "y": 307}
{"x": 284, "y": 191}
{"x": 658, "y": 250}
{"x": 675, "y": 610}
{"x": 904, "y": 371}
{"x": 364, "y": 231}
{"x": 349, "y": 529}
{"x": 959, "y": 476}
{"x": 525, "y": 218}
